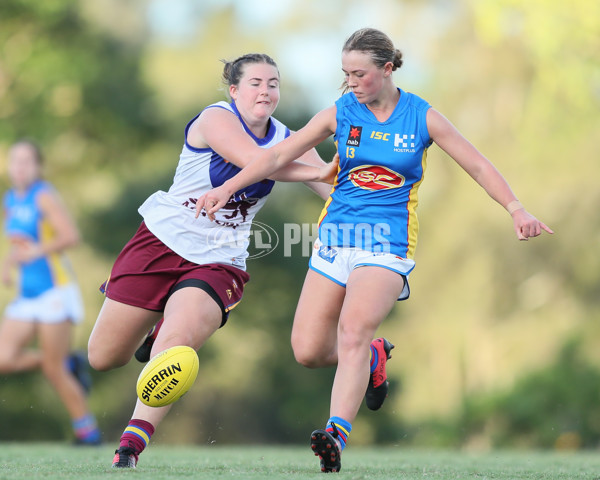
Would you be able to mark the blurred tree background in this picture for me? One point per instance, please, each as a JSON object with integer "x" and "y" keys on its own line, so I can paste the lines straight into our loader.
{"x": 497, "y": 345}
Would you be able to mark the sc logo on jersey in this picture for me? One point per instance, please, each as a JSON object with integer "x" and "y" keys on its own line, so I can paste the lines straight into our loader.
{"x": 375, "y": 177}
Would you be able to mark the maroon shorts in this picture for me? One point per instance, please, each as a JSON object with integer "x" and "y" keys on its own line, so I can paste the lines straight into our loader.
{"x": 147, "y": 272}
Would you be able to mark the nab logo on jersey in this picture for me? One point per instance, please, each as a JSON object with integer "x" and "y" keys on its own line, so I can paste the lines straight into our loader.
{"x": 375, "y": 177}
{"x": 354, "y": 136}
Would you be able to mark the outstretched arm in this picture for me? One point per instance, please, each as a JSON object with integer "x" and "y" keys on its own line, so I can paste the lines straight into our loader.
{"x": 302, "y": 170}
{"x": 484, "y": 173}
{"x": 267, "y": 161}
{"x": 312, "y": 158}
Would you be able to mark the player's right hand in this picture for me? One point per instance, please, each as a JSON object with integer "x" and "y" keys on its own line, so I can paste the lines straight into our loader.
{"x": 330, "y": 171}
{"x": 212, "y": 201}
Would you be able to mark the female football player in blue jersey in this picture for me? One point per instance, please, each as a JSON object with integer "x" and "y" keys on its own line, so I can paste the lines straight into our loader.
{"x": 48, "y": 303}
{"x": 184, "y": 274}
{"x": 368, "y": 228}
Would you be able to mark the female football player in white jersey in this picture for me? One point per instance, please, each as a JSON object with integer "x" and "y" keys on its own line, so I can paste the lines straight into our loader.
{"x": 188, "y": 273}
{"x": 368, "y": 228}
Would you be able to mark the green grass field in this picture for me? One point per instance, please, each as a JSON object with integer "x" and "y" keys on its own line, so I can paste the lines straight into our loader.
{"x": 61, "y": 461}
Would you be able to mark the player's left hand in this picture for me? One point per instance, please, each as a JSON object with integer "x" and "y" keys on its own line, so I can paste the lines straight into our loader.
{"x": 526, "y": 225}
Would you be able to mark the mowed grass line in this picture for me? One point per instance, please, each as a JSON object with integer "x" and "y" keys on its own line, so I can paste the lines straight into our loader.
{"x": 58, "y": 461}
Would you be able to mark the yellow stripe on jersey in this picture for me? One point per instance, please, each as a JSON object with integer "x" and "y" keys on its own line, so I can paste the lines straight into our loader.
{"x": 60, "y": 274}
{"x": 413, "y": 221}
{"x": 324, "y": 211}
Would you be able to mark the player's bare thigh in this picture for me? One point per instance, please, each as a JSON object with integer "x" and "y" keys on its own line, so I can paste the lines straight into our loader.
{"x": 371, "y": 293}
{"x": 118, "y": 332}
{"x": 314, "y": 333}
{"x": 15, "y": 335}
{"x": 191, "y": 317}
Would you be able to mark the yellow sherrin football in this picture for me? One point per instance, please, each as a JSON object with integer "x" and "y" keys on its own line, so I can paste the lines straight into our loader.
{"x": 167, "y": 376}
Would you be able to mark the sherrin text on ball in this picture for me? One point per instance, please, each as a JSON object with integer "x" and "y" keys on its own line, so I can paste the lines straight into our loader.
{"x": 167, "y": 376}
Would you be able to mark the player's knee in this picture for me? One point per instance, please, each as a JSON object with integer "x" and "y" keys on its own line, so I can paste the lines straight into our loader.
{"x": 51, "y": 368}
{"x": 6, "y": 363}
{"x": 301, "y": 352}
{"x": 102, "y": 361}
{"x": 306, "y": 360}
{"x": 307, "y": 356}
{"x": 353, "y": 338}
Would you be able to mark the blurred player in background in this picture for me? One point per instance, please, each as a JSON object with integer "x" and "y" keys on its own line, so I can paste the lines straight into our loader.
{"x": 48, "y": 303}
{"x": 368, "y": 228}
{"x": 179, "y": 276}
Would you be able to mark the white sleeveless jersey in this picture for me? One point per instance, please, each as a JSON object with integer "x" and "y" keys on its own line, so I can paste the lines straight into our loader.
{"x": 170, "y": 216}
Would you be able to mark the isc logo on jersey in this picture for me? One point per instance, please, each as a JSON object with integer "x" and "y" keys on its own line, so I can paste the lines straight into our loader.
{"x": 375, "y": 177}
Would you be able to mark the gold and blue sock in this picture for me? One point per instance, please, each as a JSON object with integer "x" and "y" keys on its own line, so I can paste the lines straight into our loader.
{"x": 137, "y": 435}
{"x": 86, "y": 429}
{"x": 342, "y": 427}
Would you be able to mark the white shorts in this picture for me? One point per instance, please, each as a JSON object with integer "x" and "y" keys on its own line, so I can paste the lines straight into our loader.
{"x": 53, "y": 306}
{"x": 336, "y": 263}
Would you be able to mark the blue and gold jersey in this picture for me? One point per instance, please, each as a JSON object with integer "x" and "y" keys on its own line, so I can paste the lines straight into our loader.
{"x": 24, "y": 222}
{"x": 374, "y": 198}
